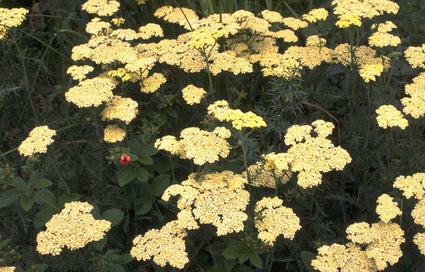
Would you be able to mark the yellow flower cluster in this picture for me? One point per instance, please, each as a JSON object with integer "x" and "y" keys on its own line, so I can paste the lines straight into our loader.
{"x": 217, "y": 198}
{"x": 221, "y": 111}
{"x": 382, "y": 38}
{"x": 165, "y": 245}
{"x": 415, "y": 56}
{"x": 415, "y": 104}
{"x": 73, "y": 228}
{"x": 152, "y": 83}
{"x": 101, "y": 7}
{"x": 371, "y": 247}
{"x": 200, "y": 145}
{"x": 274, "y": 219}
{"x": 79, "y": 72}
{"x": 415, "y": 186}
{"x": 294, "y": 23}
{"x": 310, "y": 56}
{"x": 10, "y": 18}
{"x": 315, "y": 40}
{"x": 308, "y": 155}
{"x": 369, "y": 72}
{"x": 91, "y": 92}
{"x": 180, "y": 15}
{"x": 96, "y": 26}
{"x": 150, "y": 30}
{"x": 38, "y": 140}
{"x": 261, "y": 174}
{"x": 122, "y": 108}
{"x": 350, "y": 12}
{"x": 113, "y": 134}
{"x": 192, "y": 94}
{"x": 7, "y": 269}
{"x": 387, "y": 209}
{"x": 349, "y": 258}
{"x": 228, "y": 61}
{"x": 389, "y": 116}
{"x": 314, "y": 15}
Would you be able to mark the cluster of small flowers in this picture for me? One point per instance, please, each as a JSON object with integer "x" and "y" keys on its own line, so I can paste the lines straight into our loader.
{"x": 38, "y": 140}
{"x": 371, "y": 247}
{"x": 262, "y": 174}
{"x": 200, "y": 145}
{"x": 10, "y": 18}
{"x": 415, "y": 186}
{"x": 306, "y": 149}
{"x": 73, "y": 228}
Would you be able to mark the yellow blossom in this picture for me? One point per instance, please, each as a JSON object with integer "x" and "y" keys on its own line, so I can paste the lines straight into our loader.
{"x": 414, "y": 105}
{"x": 411, "y": 185}
{"x": 314, "y": 15}
{"x": 419, "y": 240}
{"x": 179, "y": 15}
{"x": 261, "y": 174}
{"x": 73, "y": 228}
{"x": 79, "y": 72}
{"x": 271, "y": 16}
{"x": 389, "y": 116}
{"x": 7, "y": 269}
{"x": 152, "y": 83}
{"x": 415, "y": 56}
{"x": 308, "y": 155}
{"x": 216, "y": 198}
{"x": 165, "y": 245}
{"x": 118, "y": 21}
{"x": 97, "y": 26}
{"x": 380, "y": 39}
{"x": 364, "y": 8}
{"x": 227, "y": 61}
{"x": 200, "y": 145}
{"x": 101, "y": 7}
{"x": 141, "y": 2}
{"x": 150, "y": 30}
{"x": 348, "y": 19}
{"x": 239, "y": 119}
{"x": 369, "y": 72}
{"x": 202, "y": 37}
{"x": 294, "y": 23}
{"x": 274, "y": 219}
{"x": 310, "y": 56}
{"x": 124, "y": 34}
{"x": 287, "y": 35}
{"x": 10, "y": 18}
{"x": 344, "y": 258}
{"x": 384, "y": 27}
{"x": 122, "y": 108}
{"x": 192, "y": 94}
{"x": 91, "y": 92}
{"x": 383, "y": 241}
{"x": 38, "y": 140}
{"x": 418, "y": 213}
{"x": 280, "y": 65}
{"x": 113, "y": 134}
{"x": 315, "y": 40}
{"x": 387, "y": 209}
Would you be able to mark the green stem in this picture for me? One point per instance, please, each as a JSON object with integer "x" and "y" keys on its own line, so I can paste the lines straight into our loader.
{"x": 61, "y": 179}
{"x": 244, "y": 154}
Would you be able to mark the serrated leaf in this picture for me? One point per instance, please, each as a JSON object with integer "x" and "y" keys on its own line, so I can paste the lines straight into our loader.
{"x": 9, "y": 197}
{"x": 42, "y": 217}
{"x": 149, "y": 150}
{"x": 41, "y": 183}
{"x": 27, "y": 202}
{"x": 142, "y": 174}
{"x": 114, "y": 216}
{"x": 45, "y": 197}
{"x": 4, "y": 242}
{"x": 20, "y": 184}
{"x": 126, "y": 175}
{"x": 231, "y": 253}
{"x": 255, "y": 260}
{"x": 145, "y": 159}
{"x": 99, "y": 245}
{"x": 159, "y": 184}
{"x": 306, "y": 258}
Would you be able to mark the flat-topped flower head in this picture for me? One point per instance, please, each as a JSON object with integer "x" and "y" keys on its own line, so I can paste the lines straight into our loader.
{"x": 387, "y": 209}
{"x": 389, "y": 116}
{"x": 101, "y": 7}
{"x": 38, "y": 140}
{"x": 122, "y": 108}
{"x": 113, "y": 134}
{"x": 411, "y": 185}
{"x": 10, "y": 18}
{"x": 199, "y": 145}
{"x": 91, "y": 92}
{"x": 315, "y": 15}
{"x": 273, "y": 219}
{"x": 192, "y": 94}
{"x": 73, "y": 227}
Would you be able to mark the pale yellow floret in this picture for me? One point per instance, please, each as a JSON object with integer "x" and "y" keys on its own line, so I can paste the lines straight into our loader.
{"x": 314, "y": 15}
{"x": 418, "y": 213}
{"x": 411, "y": 185}
{"x": 122, "y": 108}
{"x": 152, "y": 83}
{"x": 101, "y": 7}
{"x": 369, "y": 72}
{"x": 192, "y": 94}
{"x": 79, "y": 72}
{"x": 387, "y": 209}
{"x": 273, "y": 219}
{"x": 73, "y": 227}
{"x": 38, "y": 140}
{"x": 389, "y": 116}
{"x": 419, "y": 240}
{"x": 10, "y": 18}
{"x": 91, "y": 92}
{"x": 113, "y": 134}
